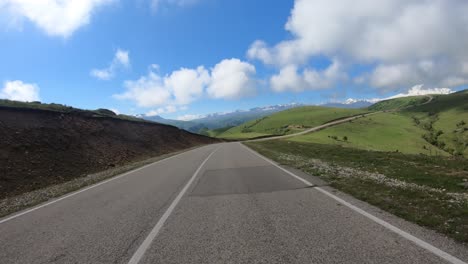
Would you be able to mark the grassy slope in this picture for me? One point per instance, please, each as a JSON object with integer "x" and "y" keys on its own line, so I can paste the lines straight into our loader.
{"x": 404, "y": 130}
{"x": 422, "y": 189}
{"x": 289, "y": 121}
{"x": 214, "y": 132}
{"x": 446, "y": 112}
{"x": 382, "y": 132}
{"x": 398, "y": 103}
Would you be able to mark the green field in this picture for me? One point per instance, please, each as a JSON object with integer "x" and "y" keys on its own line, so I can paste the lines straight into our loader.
{"x": 288, "y": 122}
{"x": 382, "y": 132}
{"x": 446, "y": 115}
{"x": 437, "y": 128}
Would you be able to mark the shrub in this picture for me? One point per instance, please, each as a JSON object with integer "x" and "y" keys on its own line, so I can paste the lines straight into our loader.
{"x": 106, "y": 112}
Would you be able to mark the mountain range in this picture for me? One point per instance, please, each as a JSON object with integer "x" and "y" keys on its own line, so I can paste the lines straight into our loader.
{"x": 221, "y": 120}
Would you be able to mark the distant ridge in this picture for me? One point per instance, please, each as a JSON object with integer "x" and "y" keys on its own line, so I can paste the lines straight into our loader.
{"x": 349, "y": 104}
{"x": 221, "y": 120}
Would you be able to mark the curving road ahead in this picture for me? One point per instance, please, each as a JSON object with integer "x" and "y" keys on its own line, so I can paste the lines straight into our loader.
{"x": 221, "y": 203}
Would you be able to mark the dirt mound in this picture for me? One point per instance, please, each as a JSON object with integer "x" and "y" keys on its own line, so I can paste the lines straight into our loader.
{"x": 39, "y": 148}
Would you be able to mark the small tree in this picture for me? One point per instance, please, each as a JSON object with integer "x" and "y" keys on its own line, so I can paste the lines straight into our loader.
{"x": 345, "y": 138}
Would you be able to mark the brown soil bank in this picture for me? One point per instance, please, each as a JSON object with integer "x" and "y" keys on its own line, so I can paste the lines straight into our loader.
{"x": 39, "y": 147}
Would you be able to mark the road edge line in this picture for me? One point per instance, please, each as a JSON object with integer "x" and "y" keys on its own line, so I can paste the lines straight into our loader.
{"x": 419, "y": 242}
{"x": 55, "y": 200}
{"x": 138, "y": 255}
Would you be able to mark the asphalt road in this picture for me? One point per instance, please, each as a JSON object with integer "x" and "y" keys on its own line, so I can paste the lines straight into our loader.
{"x": 216, "y": 204}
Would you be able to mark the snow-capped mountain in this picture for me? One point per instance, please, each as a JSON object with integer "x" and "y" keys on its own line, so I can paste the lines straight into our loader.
{"x": 222, "y": 119}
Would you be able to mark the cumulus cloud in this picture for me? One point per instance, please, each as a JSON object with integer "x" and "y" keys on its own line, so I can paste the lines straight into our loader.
{"x": 229, "y": 79}
{"x": 163, "y": 110}
{"x": 232, "y": 79}
{"x": 309, "y": 79}
{"x": 147, "y": 91}
{"x": 187, "y": 85}
{"x": 394, "y": 36}
{"x": 121, "y": 60}
{"x": 20, "y": 91}
{"x": 55, "y": 17}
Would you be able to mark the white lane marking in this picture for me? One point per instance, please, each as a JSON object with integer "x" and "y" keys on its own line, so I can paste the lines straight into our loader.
{"x": 88, "y": 188}
{"x": 154, "y": 232}
{"x": 436, "y": 251}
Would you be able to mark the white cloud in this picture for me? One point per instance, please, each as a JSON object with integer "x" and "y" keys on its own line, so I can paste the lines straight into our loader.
{"x": 420, "y": 90}
{"x": 187, "y": 85}
{"x": 147, "y": 91}
{"x": 390, "y": 77}
{"x": 20, "y": 91}
{"x": 394, "y": 36}
{"x": 121, "y": 60}
{"x": 229, "y": 79}
{"x": 288, "y": 78}
{"x": 259, "y": 50}
{"x": 55, "y": 17}
{"x": 189, "y": 117}
{"x": 232, "y": 79}
{"x": 163, "y": 110}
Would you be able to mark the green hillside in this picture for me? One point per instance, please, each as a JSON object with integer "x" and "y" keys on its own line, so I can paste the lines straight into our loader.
{"x": 214, "y": 132}
{"x": 445, "y": 121}
{"x": 382, "y": 132}
{"x": 288, "y": 122}
{"x": 436, "y": 128}
{"x": 398, "y": 103}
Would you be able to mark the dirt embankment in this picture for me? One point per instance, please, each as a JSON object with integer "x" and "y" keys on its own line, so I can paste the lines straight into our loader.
{"x": 39, "y": 148}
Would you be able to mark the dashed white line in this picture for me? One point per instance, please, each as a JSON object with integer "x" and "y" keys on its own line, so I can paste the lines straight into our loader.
{"x": 138, "y": 255}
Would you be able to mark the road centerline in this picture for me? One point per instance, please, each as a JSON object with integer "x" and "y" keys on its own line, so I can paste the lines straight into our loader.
{"x": 138, "y": 255}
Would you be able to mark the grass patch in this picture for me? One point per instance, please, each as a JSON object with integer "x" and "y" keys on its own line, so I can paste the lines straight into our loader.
{"x": 426, "y": 190}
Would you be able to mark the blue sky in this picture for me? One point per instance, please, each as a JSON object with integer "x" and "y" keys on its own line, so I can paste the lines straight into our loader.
{"x": 128, "y": 55}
